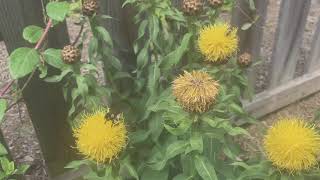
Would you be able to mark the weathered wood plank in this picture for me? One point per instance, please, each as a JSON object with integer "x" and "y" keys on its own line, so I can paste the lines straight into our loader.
{"x": 250, "y": 40}
{"x": 281, "y": 96}
{"x": 45, "y": 103}
{"x": 314, "y": 60}
{"x": 291, "y": 24}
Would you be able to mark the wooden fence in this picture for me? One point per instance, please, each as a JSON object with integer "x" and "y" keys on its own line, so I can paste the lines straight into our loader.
{"x": 45, "y": 101}
{"x": 284, "y": 88}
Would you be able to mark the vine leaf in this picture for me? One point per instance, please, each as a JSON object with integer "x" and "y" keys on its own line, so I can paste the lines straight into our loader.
{"x": 3, "y": 107}
{"x": 23, "y": 61}
{"x": 53, "y": 58}
{"x": 205, "y": 168}
{"x": 58, "y": 10}
{"x": 175, "y": 56}
{"x": 32, "y": 33}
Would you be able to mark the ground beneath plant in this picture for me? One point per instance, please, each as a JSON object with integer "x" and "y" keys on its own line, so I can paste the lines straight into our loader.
{"x": 22, "y": 141}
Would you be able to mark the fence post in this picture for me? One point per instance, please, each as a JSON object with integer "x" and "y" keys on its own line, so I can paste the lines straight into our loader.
{"x": 250, "y": 40}
{"x": 289, "y": 34}
{"x": 313, "y": 62}
{"x": 45, "y": 103}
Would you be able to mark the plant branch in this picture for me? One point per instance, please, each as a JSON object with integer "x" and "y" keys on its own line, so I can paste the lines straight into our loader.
{"x": 13, "y": 104}
{"x": 38, "y": 45}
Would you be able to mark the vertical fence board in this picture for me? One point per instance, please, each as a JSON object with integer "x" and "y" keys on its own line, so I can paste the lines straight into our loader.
{"x": 314, "y": 59}
{"x": 250, "y": 40}
{"x": 44, "y": 101}
{"x": 292, "y": 20}
{"x": 122, "y": 29}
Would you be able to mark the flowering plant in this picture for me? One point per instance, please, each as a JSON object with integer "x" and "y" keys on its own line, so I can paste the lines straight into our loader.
{"x": 171, "y": 111}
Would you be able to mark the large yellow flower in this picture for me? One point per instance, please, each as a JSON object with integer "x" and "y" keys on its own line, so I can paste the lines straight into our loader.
{"x": 292, "y": 144}
{"x": 195, "y": 91}
{"x": 99, "y": 137}
{"x": 218, "y": 42}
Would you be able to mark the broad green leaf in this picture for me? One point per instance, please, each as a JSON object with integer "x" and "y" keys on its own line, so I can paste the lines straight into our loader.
{"x": 246, "y": 26}
{"x": 23, "y": 61}
{"x": 142, "y": 58}
{"x": 205, "y": 168}
{"x": 22, "y": 169}
{"x": 153, "y": 78}
{"x": 53, "y": 58}
{"x": 175, "y": 148}
{"x": 76, "y": 164}
{"x": 3, "y": 107}
{"x": 252, "y": 5}
{"x": 127, "y": 166}
{"x": 121, "y": 75}
{"x": 156, "y": 127}
{"x": 139, "y": 136}
{"x": 82, "y": 85}
{"x": 149, "y": 174}
{"x": 175, "y": 56}
{"x": 32, "y": 33}
{"x": 183, "y": 177}
{"x": 104, "y": 35}
{"x": 43, "y": 70}
{"x": 58, "y": 78}
{"x": 142, "y": 28}
{"x": 115, "y": 62}
{"x": 196, "y": 142}
{"x": 3, "y": 150}
{"x": 92, "y": 49}
{"x": 58, "y": 10}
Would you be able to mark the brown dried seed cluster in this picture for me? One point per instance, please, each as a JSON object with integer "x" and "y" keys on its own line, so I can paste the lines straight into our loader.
{"x": 89, "y": 7}
{"x": 244, "y": 60}
{"x": 192, "y": 7}
{"x": 215, "y": 3}
{"x": 70, "y": 54}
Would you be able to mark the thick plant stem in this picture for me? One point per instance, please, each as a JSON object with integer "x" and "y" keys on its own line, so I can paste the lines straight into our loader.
{"x": 38, "y": 45}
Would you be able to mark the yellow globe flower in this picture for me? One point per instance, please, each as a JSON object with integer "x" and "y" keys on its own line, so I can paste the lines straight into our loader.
{"x": 100, "y": 138}
{"x": 195, "y": 91}
{"x": 292, "y": 144}
{"x": 218, "y": 42}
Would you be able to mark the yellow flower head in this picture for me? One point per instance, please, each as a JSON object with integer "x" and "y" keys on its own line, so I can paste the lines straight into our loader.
{"x": 99, "y": 137}
{"x": 195, "y": 91}
{"x": 218, "y": 42}
{"x": 292, "y": 144}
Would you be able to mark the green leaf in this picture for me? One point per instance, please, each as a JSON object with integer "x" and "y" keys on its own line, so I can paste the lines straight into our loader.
{"x": 127, "y": 166}
{"x": 153, "y": 78}
{"x": 205, "y": 168}
{"x": 182, "y": 177}
{"x": 53, "y": 58}
{"x": 76, "y": 164}
{"x": 22, "y": 169}
{"x": 246, "y": 26}
{"x": 149, "y": 174}
{"x": 252, "y": 5}
{"x": 23, "y": 61}
{"x": 58, "y": 78}
{"x": 175, "y": 56}
{"x": 121, "y": 75}
{"x": 142, "y": 28}
{"x": 142, "y": 58}
{"x": 104, "y": 35}
{"x": 58, "y": 10}
{"x": 175, "y": 148}
{"x": 3, "y": 107}
{"x": 32, "y": 33}
{"x": 139, "y": 136}
{"x": 196, "y": 142}
{"x": 82, "y": 85}
{"x": 3, "y": 150}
